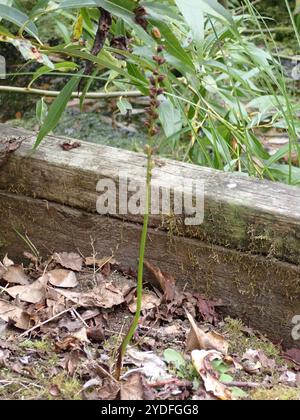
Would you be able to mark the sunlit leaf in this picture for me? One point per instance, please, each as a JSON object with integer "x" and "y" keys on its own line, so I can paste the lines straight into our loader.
{"x": 56, "y": 109}
{"x": 78, "y": 27}
{"x": 170, "y": 117}
{"x": 173, "y": 357}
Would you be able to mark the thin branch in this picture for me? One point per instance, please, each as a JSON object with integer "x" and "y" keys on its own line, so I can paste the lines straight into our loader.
{"x": 171, "y": 381}
{"x": 54, "y": 93}
{"x": 238, "y": 384}
{"x": 278, "y": 29}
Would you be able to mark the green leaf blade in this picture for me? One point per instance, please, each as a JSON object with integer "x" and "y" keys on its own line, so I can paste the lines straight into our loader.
{"x": 56, "y": 109}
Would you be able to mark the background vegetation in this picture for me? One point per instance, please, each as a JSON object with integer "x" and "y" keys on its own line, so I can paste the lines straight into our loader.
{"x": 225, "y": 85}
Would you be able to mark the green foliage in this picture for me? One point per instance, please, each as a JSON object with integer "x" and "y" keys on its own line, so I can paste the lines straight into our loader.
{"x": 172, "y": 356}
{"x": 18, "y": 18}
{"x": 221, "y": 89}
{"x": 56, "y": 109}
{"x": 41, "y": 111}
{"x": 185, "y": 370}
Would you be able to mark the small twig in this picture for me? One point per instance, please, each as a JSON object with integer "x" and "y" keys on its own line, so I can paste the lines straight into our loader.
{"x": 77, "y": 314}
{"x": 106, "y": 373}
{"x": 3, "y": 289}
{"x": 22, "y": 383}
{"x": 44, "y": 323}
{"x": 242, "y": 384}
{"x": 94, "y": 259}
{"x": 266, "y": 31}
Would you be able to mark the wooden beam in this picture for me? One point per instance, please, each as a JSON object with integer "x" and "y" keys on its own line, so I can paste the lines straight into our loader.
{"x": 241, "y": 213}
{"x": 263, "y": 292}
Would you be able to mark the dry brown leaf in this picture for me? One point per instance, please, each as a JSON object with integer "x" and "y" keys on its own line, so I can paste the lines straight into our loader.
{"x": 293, "y": 355}
{"x": 15, "y": 274}
{"x": 31, "y": 257}
{"x": 289, "y": 378}
{"x": 255, "y": 361}
{"x": 2, "y": 270}
{"x": 99, "y": 262}
{"x": 17, "y": 316}
{"x": 81, "y": 335}
{"x": 251, "y": 363}
{"x": 165, "y": 280}
{"x": 105, "y": 296}
{"x": 109, "y": 391}
{"x": 67, "y": 343}
{"x": 71, "y": 260}
{"x": 33, "y": 293}
{"x": 62, "y": 278}
{"x": 71, "y": 361}
{"x": 55, "y": 307}
{"x": 7, "y": 262}
{"x": 199, "y": 340}
{"x": 54, "y": 391}
{"x": 149, "y": 301}
{"x": 133, "y": 388}
{"x": 67, "y": 146}
{"x": 229, "y": 360}
{"x": 202, "y": 360}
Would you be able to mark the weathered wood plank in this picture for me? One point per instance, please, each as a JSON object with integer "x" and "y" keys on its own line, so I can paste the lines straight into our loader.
{"x": 263, "y": 292}
{"x": 242, "y": 213}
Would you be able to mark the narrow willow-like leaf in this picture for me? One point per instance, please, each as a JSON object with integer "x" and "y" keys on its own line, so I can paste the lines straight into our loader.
{"x": 194, "y": 17}
{"x": 18, "y": 18}
{"x": 65, "y": 66}
{"x": 57, "y": 108}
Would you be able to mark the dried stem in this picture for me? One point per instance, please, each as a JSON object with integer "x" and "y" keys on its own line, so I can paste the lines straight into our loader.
{"x": 104, "y": 25}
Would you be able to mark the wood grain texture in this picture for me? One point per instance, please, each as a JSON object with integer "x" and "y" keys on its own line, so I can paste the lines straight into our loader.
{"x": 263, "y": 292}
{"x": 247, "y": 251}
{"x": 241, "y": 213}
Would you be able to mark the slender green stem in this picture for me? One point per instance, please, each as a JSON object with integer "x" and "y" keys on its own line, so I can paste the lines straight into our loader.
{"x": 143, "y": 243}
{"x": 278, "y": 29}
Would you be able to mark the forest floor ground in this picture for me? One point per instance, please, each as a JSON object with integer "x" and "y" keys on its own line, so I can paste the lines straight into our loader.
{"x": 63, "y": 319}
